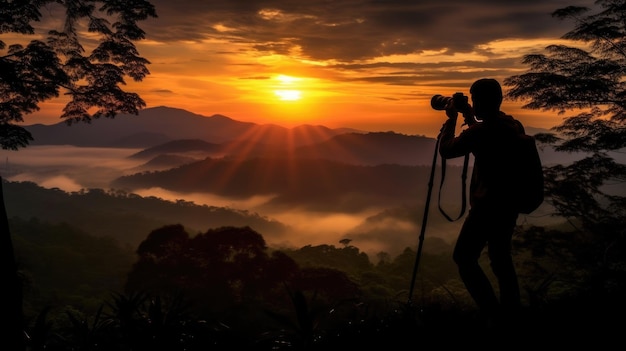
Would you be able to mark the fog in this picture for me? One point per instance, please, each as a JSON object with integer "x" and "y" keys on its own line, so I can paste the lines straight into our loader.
{"x": 308, "y": 227}
{"x": 72, "y": 168}
{"x": 319, "y": 228}
{"x": 67, "y": 167}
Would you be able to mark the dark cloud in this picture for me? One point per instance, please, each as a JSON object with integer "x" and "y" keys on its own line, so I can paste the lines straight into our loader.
{"x": 257, "y": 78}
{"x": 352, "y": 30}
{"x": 404, "y": 73}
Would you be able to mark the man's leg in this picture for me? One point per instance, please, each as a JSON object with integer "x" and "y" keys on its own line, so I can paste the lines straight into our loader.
{"x": 469, "y": 246}
{"x": 501, "y": 261}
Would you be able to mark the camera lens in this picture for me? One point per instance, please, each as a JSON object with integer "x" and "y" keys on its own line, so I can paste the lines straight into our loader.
{"x": 439, "y": 102}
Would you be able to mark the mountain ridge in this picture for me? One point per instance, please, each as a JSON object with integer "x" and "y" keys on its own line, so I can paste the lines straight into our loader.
{"x": 354, "y": 148}
{"x": 160, "y": 124}
{"x": 157, "y": 126}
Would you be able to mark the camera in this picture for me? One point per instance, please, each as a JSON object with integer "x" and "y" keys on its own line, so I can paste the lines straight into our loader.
{"x": 459, "y": 102}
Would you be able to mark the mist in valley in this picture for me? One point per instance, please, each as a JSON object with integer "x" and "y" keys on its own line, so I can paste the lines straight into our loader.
{"x": 67, "y": 167}
{"x": 375, "y": 229}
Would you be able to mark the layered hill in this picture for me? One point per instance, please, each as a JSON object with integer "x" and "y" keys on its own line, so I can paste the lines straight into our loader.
{"x": 126, "y": 217}
{"x": 353, "y": 148}
{"x": 157, "y": 125}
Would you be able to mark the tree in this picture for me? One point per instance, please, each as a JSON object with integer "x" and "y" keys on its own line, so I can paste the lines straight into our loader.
{"x": 220, "y": 270}
{"x": 91, "y": 75}
{"x": 588, "y": 79}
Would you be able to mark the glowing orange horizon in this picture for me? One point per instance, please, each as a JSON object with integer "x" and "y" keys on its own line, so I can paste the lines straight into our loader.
{"x": 290, "y": 91}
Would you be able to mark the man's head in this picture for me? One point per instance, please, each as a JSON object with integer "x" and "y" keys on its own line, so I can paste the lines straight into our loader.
{"x": 486, "y": 97}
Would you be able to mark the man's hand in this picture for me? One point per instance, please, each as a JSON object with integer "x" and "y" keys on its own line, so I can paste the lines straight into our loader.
{"x": 451, "y": 112}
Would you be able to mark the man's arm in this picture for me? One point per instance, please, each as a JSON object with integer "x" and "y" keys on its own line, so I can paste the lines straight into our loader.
{"x": 451, "y": 146}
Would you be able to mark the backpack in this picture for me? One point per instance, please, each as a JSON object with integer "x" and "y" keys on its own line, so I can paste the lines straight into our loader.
{"x": 526, "y": 175}
{"x": 528, "y": 180}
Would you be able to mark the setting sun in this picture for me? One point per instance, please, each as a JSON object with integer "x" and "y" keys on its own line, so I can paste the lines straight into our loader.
{"x": 288, "y": 95}
{"x": 286, "y": 85}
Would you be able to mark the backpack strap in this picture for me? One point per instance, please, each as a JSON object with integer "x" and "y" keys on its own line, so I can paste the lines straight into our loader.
{"x": 463, "y": 188}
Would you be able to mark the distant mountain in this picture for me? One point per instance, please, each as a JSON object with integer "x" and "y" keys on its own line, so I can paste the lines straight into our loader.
{"x": 352, "y": 148}
{"x": 349, "y": 172}
{"x": 533, "y": 130}
{"x": 373, "y": 149}
{"x": 312, "y": 183}
{"x": 153, "y": 126}
{"x": 200, "y": 149}
{"x": 184, "y": 146}
{"x": 163, "y": 162}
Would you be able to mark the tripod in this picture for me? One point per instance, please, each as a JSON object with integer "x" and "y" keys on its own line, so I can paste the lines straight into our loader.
{"x": 427, "y": 206}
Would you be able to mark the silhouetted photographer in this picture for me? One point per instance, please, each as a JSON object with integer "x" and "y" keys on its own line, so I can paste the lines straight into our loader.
{"x": 491, "y": 137}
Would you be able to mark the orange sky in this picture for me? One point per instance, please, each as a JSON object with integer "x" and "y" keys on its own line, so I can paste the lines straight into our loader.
{"x": 370, "y": 65}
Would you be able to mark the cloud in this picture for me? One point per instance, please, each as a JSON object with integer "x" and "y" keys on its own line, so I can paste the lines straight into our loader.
{"x": 353, "y": 30}
{"x": 373, "y": 62}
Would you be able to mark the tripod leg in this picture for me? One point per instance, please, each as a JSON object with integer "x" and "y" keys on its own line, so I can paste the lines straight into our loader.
{"x": 424, "y": 221}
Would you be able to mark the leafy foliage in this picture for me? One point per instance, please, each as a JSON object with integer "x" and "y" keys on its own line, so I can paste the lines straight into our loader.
{"x": 60, "y": 264}
{"x": 39, "y": 70}
{"x": 227, "y": 265}
{"x": 65, "y": 61}
{"x": 317, "y": 306}
{"x": 587, "y": 78}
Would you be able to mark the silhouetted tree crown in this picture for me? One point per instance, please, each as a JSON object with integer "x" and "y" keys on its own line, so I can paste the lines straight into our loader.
{"x": 588, "y": 79}
{"x": 590, "y": 82}
{"x": 40, "y": 66}
{"x": 63, "y": 61}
